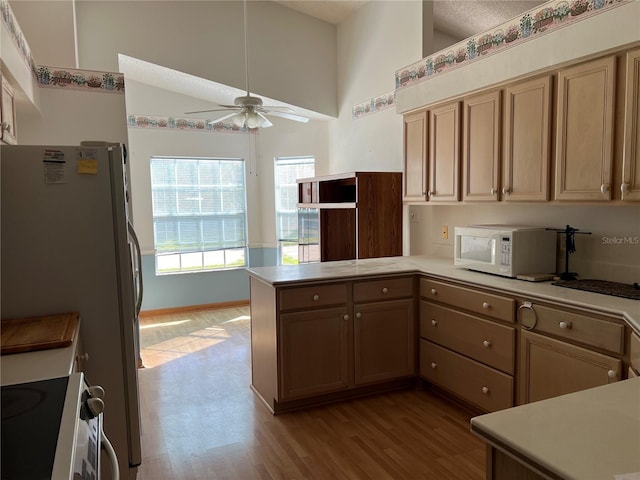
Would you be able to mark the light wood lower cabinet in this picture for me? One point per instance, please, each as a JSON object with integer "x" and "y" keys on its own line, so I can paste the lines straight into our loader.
{"x": 384, "y": 341}
{"x": 634, "y": 355}
{"x": 550, "y": 367}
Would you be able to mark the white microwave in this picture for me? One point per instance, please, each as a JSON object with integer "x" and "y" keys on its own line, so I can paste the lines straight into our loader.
{"x": 507, "y": 250}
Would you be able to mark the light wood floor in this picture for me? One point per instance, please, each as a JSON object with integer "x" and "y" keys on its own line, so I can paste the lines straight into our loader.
{"x": 200, "y": 420}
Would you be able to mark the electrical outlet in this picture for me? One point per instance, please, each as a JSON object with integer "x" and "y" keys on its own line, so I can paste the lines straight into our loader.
{"x": 445, "y": 232}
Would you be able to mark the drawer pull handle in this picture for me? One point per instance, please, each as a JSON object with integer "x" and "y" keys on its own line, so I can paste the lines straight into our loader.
{"x": 486, "y": 344}
{"x": 434, "y": 291}
{"x": 565, "y": 325}
{"x": 612, "y": 374}
{"x": 485, "y": 305}
{"x": 316, "y": 298}
{"x": 485, "y": 390}
{"x": 434, "y": 322}
{"x": 358, "y": 315}
{"x": 345, "y": 317}
{"x": 385, "y": 290}
{"x": 434, "y": 365}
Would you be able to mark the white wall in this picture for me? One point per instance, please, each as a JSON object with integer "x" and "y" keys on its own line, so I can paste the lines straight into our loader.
{"x": 594, "y": 257}
{"x": 292, "y": 57}
{"x": 379, "y": 38}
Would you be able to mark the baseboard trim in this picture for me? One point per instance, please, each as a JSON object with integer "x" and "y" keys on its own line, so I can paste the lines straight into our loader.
{"x": 193, "y": 308}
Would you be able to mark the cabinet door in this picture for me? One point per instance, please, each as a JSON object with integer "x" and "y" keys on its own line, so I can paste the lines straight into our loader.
{"x": 415, "y": 157}
{"x": 7, "y": 114}
{"x": 444, "y": 153}
{"x": 314, "y": 352}
{"x": 481, "y": 147}
{"x": 630, "y": 188}
{"x": 525, "y": 168}
{"x": 549, "y": 368}
{"x": 384, "y": 341}
{"x": 584, "y": 131}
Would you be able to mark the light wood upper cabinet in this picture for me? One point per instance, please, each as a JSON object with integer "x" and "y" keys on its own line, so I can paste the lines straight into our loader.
{"x": 584, "y": 131}
{"x": 630, "y": 188}
{"x": 415, "y": 157}
{"x": 525, "y": 171}
{"x": 444, "y": 153}
{"x": 7, "y": 115}
{"x": 481, "y": 147}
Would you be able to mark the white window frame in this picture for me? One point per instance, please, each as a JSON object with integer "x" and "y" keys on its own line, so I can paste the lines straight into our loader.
{"x": 192, "y": 258}
{"x": 290, "y": 244}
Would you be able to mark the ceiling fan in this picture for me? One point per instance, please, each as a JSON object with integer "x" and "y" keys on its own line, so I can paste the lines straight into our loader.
{"x": 248, "y": 111}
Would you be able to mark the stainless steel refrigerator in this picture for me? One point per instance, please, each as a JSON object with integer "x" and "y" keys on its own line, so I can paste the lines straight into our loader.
{"x": 67, "y": 245}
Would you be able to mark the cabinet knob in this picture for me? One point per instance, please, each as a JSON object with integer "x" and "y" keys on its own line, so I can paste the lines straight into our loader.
{"x": 486, "y": 344}
{"x": 434, "y": 291}
{"x": 316, "y": 298}
{"x": 565, "y": 325}
{"x": 612, "y": 374}
{"x": 83, "y": 358}
{"x": 434, "y": 365}
{"x": 434, "y": 322}
{"x": 492, "y": 191}
{"x": 485, "y": 305}
{"x": 604, "y": 188}
{"x": 624, "y": 188}
{"x": 5, "y": 126}
{"x": 385, "y": 290}
{"x": 432, "y": 193}
{"x": 485, "y": 390}
{"x": 506, "y": 190}
{"x": 345, "y": 317}
{"x": 358, "y": 315}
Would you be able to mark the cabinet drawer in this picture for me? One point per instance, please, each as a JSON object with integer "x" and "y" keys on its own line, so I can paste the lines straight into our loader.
{"x": 475, "y": 383}
{"x": 634, "y": 352}
{"x": 486, "y": 304}
{"x": 313, "y": 297}
{"x": 479, "y": 339}
{"x": 385, "y": 289}
{"x": 574, "y": 326}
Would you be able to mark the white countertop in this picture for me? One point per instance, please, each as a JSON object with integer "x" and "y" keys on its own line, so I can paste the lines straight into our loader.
{"x": 443, "y": 267}
{"x": 593, "y": 434}
{"x": 39, "y": 365}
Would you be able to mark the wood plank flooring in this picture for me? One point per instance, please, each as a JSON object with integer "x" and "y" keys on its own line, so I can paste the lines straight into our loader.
{"x": 200, "y": 420}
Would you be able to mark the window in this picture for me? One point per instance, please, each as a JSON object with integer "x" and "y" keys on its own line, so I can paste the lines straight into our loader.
{"x": 287, "y": 171}
{"x": 199, "y": 214}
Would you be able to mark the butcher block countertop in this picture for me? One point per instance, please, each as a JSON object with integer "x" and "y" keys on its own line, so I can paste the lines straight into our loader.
{"x": 444, "y": 269}
{"x": 38, "y": 348}
{"x": 588, "y": 435}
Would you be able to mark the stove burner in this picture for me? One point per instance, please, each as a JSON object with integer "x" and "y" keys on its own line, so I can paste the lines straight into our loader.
{"x": 602, "y": 286}
{"x": 20, "y": 400}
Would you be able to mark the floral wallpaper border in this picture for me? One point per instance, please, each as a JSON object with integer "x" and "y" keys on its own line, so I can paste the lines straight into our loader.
{"x": 75, "y": 79}
{"x": 180, "y": 123}
{"x": 16, "y": 34}
{"x": 538, "y": 21}
{"x": 374, "y": 105}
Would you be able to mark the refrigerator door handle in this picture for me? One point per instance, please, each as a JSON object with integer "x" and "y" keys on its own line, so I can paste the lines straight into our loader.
{"x": 138, "y": 277}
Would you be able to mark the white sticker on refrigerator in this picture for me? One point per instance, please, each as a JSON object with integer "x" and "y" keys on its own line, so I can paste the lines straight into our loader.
{"x": 53, "y": 162}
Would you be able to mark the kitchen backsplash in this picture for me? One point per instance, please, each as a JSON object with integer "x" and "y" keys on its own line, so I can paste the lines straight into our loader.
{"x": 611, "y": 252}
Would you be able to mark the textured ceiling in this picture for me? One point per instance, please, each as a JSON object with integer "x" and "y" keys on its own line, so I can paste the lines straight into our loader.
{"x": 458, "y": 18}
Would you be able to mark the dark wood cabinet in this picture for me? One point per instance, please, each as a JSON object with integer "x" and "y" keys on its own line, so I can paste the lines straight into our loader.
{"x": 360, "y": 214}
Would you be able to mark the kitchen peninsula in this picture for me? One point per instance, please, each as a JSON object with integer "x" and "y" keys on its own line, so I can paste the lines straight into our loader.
{"x": 320, "y": 311}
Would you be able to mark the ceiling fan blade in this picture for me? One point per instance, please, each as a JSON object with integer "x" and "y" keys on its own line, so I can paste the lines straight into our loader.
{"x": 222, "y": 119}
{"x": 289, "y": 116}
{"x": 277, "y": 108}
{"x": 266, "y": 123}
{"x": 214, "y": 110}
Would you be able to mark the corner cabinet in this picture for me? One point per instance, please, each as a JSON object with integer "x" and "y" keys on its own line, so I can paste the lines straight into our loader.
{"x": 360, "y": 215}
{"x": 584, "y": 131}
{"x": 481, "y": 147}
{"x": 564, "y": 351}
{"x": 415, "y": 157}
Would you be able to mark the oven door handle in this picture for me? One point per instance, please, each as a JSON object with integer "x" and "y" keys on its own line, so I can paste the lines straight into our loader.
{"x": 113, "y": 459}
